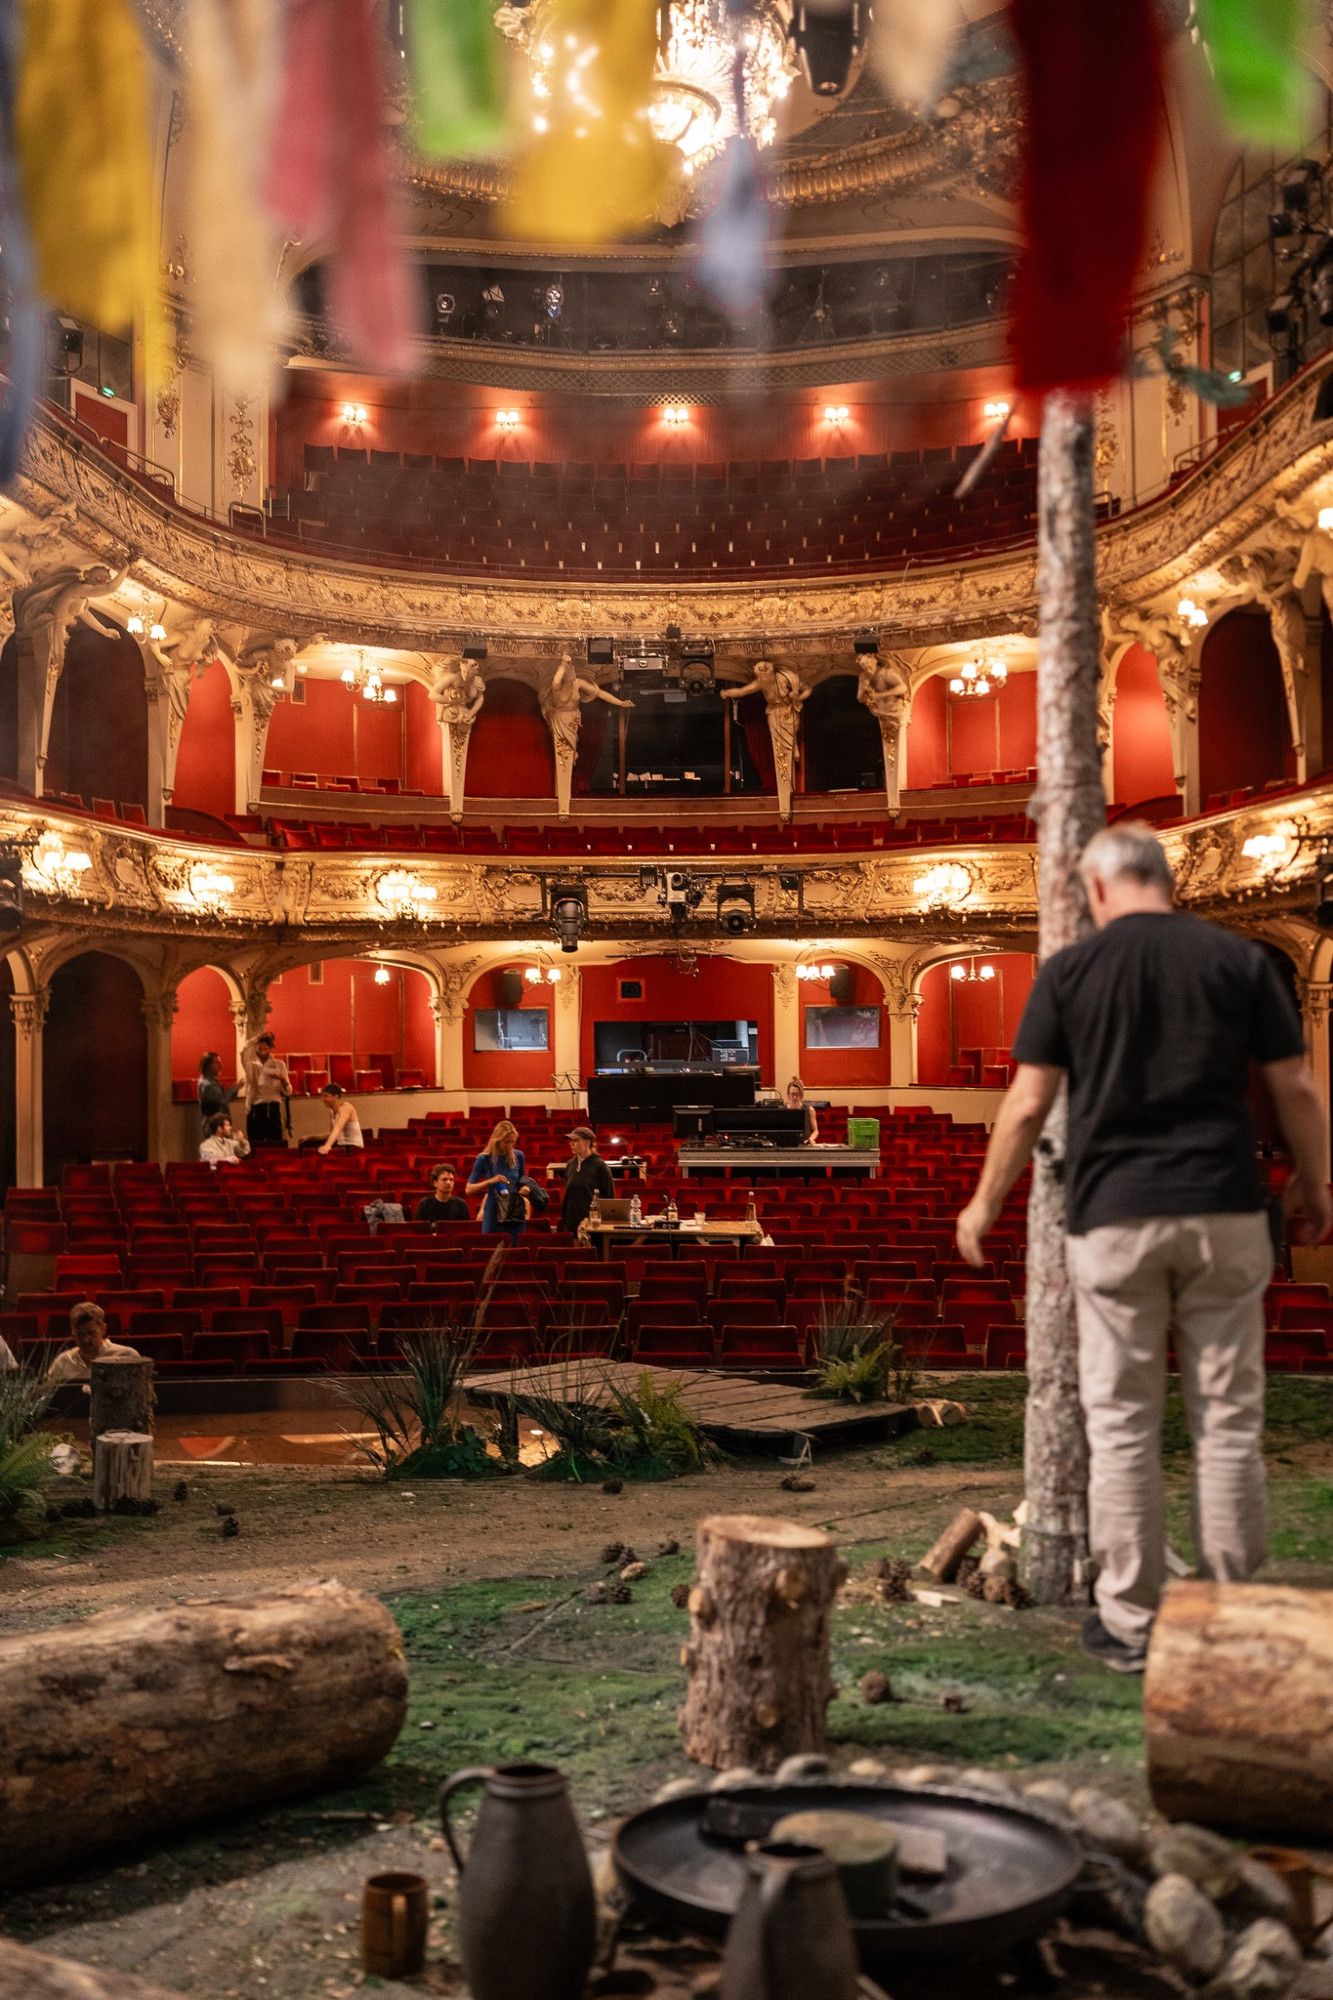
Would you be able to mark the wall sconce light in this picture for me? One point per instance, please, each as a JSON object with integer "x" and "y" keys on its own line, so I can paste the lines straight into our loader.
{"x": 996, "y": 410}
{"x": 1324, "y": 519}
{"x": 209, "y": 887}
{"x": 940, "y": 887}
{"x": 539, "y": 975}
{"x": 676, "y": 415}
{"x": 814, "y": 972}
{"x": 403, "y": 894}
{"x": 354, "y": 414}
{"x": 836, "y": 414}
{"x": 134, "y": 626}
{"x": 57, "y": 866}
{"x": 506, "y": 420}
{"x": 1190, "y": 614}
{"x": 972, "y": 974}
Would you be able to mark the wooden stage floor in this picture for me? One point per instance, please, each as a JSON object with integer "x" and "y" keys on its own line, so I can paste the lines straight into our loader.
{"x": 740, "y": 1408}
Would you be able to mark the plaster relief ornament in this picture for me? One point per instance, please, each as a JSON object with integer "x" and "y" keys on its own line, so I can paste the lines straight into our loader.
{"x": 458, "y": 691}
{"x": 883, "y": 688}
{"x": 45, "y": 613}
{"x": 562, "y": 704}
{"x": 785, "y": 693}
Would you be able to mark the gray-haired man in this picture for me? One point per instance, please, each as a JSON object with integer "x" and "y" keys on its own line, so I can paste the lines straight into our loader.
{"x": 1154, "y": 1021}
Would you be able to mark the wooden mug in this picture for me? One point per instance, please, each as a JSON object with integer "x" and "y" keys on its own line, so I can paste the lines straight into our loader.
{"x": 393, "y": 1925}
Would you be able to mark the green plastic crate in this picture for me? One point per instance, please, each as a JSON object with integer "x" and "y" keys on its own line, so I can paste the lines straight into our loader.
{"x": 863, "y": 1134}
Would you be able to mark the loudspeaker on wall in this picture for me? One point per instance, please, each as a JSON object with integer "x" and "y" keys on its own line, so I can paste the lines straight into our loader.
{"x": 511, "y": 989}
{"x": 840, "y": 986}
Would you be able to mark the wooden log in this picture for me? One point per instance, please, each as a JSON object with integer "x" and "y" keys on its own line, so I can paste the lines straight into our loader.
{"x": 122, "y": 1395}
{"x": 1237, "y": 1701}
{"x": 758, "y": 1654}
{"x": 36, "y": 1976}
{"x": 122, "y": 1468}
{"x": 965, "y": 1529}
{"x": 117, "y": 1728}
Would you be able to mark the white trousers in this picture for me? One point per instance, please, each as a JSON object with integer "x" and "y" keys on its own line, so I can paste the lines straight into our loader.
{"x": 1202, "y": 1277}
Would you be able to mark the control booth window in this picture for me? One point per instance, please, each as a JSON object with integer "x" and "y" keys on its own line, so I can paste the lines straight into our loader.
{"x": 498, "y": 1029}
{"x": 842, "y": 1027}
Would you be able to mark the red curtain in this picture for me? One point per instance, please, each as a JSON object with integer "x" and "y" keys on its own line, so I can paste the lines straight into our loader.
{"x": 752, "y": 715}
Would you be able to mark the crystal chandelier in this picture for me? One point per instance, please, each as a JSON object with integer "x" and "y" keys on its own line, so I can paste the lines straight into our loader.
{"x": 693, "y": 106}
{"x": 368, "y": 682}
{"x": 973, "y": 682}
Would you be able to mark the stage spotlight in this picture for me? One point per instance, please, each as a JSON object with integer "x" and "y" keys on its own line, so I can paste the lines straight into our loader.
{"x": 696, "y": 667}
{"x": 569, "y": 913}
{"x": 735, "y": 908}
{"x": 601, "y": 652}
{"x": 71, "y": 345}
{"x": 827, "y": 42}
{"x": 446, "y": 305}
{"x": 474, "y": 649}
{"x": 866, "y": 645}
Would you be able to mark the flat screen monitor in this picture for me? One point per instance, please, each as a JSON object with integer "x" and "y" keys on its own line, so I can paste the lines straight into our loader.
{"x": 692, "y": 1121}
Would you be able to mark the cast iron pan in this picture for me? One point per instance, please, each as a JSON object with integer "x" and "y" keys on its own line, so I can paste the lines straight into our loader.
{"x": 1010, "y": 1869}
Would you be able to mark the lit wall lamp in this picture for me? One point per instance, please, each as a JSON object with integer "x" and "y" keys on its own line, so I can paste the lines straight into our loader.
{"x": 996, "y": 410}
{"x": 814, "y": 971}
{"x": 57, "y": 866}
{"x": 676, "y": 415}
{"x": 538, "y": 975}
{"x": 506, "y": 420}
{"x": 210, "y": 889}
{"x": 403, "y": 894}
{"x": 134, "y": 625}
{"x": 836, "y": 415}
{"x": 972, "y": 974}
{"x": 382, "y": 975}
{"x": 354, "y": 414}
{"x": 1191, "y": 615}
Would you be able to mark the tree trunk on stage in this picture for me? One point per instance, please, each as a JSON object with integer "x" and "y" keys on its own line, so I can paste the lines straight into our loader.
{"x": 1236, "y": 1708}
{"x": 37, "y": 1977}
{"x": 758, "y": 1656}
{"x": 118, "y": 1728}
{"x": 122, "y": 1468}
{"x": 121, "y": 1396}
{"x": 1069, "y": 807}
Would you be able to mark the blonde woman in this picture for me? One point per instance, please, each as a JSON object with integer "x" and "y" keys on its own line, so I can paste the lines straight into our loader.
{"x": 499, "y": 1173}
{"x": 796, "y": 1102}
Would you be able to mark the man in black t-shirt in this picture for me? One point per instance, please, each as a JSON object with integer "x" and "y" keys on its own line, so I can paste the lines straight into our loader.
{"x": 1154, "y": 1022}
{"x": 442, "y": 1204}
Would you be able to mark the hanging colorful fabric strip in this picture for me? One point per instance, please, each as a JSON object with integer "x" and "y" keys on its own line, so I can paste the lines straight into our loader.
{"x": 231, "y": 83}
{"x": 1086, "y": 181}
{"x": 912, "y": 45}
{"x": 1261, "y": 54}
{"x": 455, "y": 51}
{"x": 731, "y": 262}
{"x": 81, "y": 134}
{"x": 332, "y": 173}
{"x": 597, "y": 167}
{"x": 27, "y": 320}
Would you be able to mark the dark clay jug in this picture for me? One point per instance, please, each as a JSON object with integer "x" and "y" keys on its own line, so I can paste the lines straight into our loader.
{"x": 527, "y": 1924}
{"x": 790, "y": 1938}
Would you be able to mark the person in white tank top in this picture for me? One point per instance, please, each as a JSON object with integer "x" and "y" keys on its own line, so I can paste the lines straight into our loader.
{"x": 344, "y": 1125}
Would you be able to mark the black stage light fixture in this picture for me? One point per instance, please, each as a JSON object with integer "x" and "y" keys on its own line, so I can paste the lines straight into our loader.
{"x": 71, "y": 345}
{"x": 1281, "y": 222}
{"x": 601, "y": 652}
{"x": 474, "y": 649}
{"x": 1321, "y": 283}
{"x": 735, "y": 908}
{"x": 569, "y": 913}
{"x": 1298, "y": 186}
{"x": 446, "y": 305}
{"x": 866, "y": 645}
{"x": 827, "y": 40}
{"x": 696, "y": 666}
{"x": 11, "y": 894}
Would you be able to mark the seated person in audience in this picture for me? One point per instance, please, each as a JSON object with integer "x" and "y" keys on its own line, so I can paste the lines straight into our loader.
{"x": 442, "y": 1204}
{"x": 344, "y": 1125}
{"x": 795, "y": 1099}
{"x": 87, "y": 1325}
{"x": 221, "y": 1146}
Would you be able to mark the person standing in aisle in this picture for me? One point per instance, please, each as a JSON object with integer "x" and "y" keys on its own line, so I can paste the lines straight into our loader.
{"x": 1154, "y": 1022}
{"x": 499, "y": 1173}
{"x": 268, "y": 1091}
{"x": 586, "y": 1175}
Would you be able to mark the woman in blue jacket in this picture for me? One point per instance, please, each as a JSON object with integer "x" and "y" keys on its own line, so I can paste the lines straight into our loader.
{"x": 498, "y": 1173}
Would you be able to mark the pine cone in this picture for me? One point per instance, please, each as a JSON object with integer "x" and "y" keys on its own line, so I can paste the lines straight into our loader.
{"x": 894, "y": 1577}
{"x": 231, "y": 1526}
{"x": 180, "y": 1491}
{"x": 614, "y": 1552}
{"x": 680, "y": 1595}
{"x": 620, "y": 1593}
{"x": 974, "y": 1584}
{"x": 875, "y": 1689}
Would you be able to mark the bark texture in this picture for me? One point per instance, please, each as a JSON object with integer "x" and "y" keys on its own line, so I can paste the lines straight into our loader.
{"x": 122, "y": 1467}
{"x": 31, "y": 1975}
{"x": 758, "y": 1656}
{"x": 120, "y": 1727}
{"x": 121, "y": 1396}
{"x": 1069, "y": 806}
{"x": 962, "y": 1533}
{"x": 1238, "y": 1707}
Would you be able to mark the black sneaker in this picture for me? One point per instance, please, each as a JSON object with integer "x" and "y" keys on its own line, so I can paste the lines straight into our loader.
{"x": 1102, "y": 1645}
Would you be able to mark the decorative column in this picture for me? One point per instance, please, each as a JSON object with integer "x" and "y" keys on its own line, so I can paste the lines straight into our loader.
{"x": 785, "y": 694}
{"x": 568, "y": 1011}
{"x": 1316, "y": 998}
{"x": 903, "y": 1009}
{"x": 169, "y": 666}
{"x": 450, "y": 1011}
{"x": 260, "y": 677}
{"x": 1178, "y": 671}
{"x": 29, "y": 1012}
{"x": 885, "y": 691}
{"x": 786, "y": 1024}
{"x": 458, "y": 692}
{"x": 159, "y": 1011}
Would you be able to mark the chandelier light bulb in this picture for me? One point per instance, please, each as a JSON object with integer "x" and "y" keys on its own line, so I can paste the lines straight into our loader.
{"x": 958, "y": 972}
{"x": 157, "y": 631}
{"x": 348, "y": 677}
{"x": 354, "y": 413}
{"x": 134, "y": 626}
{"x": 506, "y": 420}
{"x": 676, "y": 416}
{"x": 533, "y": 974}
{"x": 957, "y": 686}
{"x": 985, "y": 972}
{"x": 382, "y": 975}
{"x": 836, "y": 413}
{"x": 996, "y": 410}
{"x": 1325, "y": 519}
{"x": 1191, "y": 614}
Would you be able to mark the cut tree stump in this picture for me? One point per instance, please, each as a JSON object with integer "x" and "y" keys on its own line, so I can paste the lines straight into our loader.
{"x": 122, "y": 1468}
{"x": 34, "y": 1976}
{"x": 120, "y": 1727}
{"x": 758, "y": 1654}
{"x": 1238, "y": 1707}
{"x": 122, "y": 1395}
{"x": 965, "y": 1529}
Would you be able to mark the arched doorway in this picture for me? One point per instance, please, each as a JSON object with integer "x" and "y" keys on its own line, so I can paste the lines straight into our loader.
{"x": 842, "y": 751}
{"x": 1142, "y": 764}
{"x": 1243, "y": 737}
{"x": 99, "y": 722}
{"x": 94, "y": 1064}
{"x": 970, "y": 1010}
{"x": 203, "y": 1022}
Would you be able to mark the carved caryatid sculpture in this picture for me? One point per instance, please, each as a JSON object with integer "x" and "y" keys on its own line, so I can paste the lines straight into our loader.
{"x": 785, "y": 694}
{"x": 170, "y": 665}
{"x": 883, "y": 688}
{"x": 562, "y": 704}
{"x": 45, "y": 613}
{"x": 260, "y": 674}
{"x": 458, "y": 691}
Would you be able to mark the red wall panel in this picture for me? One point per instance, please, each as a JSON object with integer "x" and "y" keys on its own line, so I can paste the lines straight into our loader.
{"x": 347, "y": 1013}
{"x": 1018, "y": 722}
{"x": 508, "y": 1069}
{"x": 845, "y": 1069}
{"x": 336, "y": 734}
{"x": 510, "y": 753}
{"x": 974, "y": 736}
{"x": 206, "y": 759}
{"x": 927, "y": 736}
{"x": 723, "y": 989}
{"x": 203, "y": 1021}
{"x": 1142, "y": 766}
{"x": 424, "y": 755}
{"x": 1242, "y": 715}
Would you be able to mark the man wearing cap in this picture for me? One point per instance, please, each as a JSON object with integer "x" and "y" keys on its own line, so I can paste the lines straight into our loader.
{"x": 586, "y": 1175}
